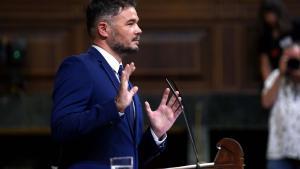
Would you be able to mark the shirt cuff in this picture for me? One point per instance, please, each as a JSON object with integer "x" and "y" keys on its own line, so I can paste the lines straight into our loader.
{"x": 156, "y": 139}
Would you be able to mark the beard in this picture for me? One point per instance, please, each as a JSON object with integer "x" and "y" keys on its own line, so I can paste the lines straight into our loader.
{"x": 123, "y": 50}
{"x": 120, "y": 47}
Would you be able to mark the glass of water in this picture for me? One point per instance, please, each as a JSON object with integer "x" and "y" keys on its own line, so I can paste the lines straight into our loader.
{"x": 121, "y": 162}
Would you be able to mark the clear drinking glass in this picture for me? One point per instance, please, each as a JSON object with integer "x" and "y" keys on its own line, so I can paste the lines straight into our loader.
{"x": 121, "y": 162}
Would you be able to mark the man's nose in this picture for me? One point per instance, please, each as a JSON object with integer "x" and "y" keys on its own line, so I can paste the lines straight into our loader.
{"x": 138, "y": 30}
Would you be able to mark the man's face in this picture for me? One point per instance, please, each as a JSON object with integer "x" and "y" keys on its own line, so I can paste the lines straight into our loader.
{"x": 124, "y": 34}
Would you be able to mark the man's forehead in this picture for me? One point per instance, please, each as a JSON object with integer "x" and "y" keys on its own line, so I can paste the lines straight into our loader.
{"x": 127, "y": 13}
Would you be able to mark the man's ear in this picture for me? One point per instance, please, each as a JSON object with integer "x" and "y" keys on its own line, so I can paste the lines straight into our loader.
{"x": 103, "y": 29}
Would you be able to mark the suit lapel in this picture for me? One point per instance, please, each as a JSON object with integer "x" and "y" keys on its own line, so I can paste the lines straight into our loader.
{"x": 103, "y": 63}
{"x": 109, "y": 71}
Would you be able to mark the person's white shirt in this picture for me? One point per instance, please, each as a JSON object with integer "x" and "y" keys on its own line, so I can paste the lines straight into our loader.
{"x": 284, "y": 126}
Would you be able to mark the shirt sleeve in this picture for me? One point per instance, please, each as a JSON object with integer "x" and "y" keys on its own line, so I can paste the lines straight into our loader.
{"x": 156, "y": 139}
{"x": 268, "y": 83}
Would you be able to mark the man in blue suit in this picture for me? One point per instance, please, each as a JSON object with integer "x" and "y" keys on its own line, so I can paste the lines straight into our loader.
{"x": 96, "y": 112}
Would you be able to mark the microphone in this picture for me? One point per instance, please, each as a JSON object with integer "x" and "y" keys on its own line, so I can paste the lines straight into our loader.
{"x": 173, "y": 89}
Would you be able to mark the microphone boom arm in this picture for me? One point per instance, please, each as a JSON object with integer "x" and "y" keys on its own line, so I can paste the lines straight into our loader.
{"x": 173, "y": 90}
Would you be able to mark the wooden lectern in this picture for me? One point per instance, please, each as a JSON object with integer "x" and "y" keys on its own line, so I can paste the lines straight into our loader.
{"x": 230, "y": 155}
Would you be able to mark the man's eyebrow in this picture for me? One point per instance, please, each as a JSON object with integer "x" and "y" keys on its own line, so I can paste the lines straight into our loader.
{"x": 133, "y": 20}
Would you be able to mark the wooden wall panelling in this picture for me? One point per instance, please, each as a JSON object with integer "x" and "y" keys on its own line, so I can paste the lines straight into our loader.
{"x": 217, "y": 57}
{"x": 251, "y": 76}
{"x": 229, "y": 57}
{"x": 80, "y": 35}
{"x": 203, "y": 39}
{"x": 195, "y": 9}
{"x": 223, "y": 18}
{"x": 42, "y": 10}
{"x": 52, "y": 31}
{"x": 176, "y": 9}
{"x": 239, "y": 56}
{"x": 46, "y": 46}
{"x": 170, "y": 51}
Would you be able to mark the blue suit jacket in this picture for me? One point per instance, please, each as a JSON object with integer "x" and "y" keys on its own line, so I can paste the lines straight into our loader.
{"x": 85, "y": 119}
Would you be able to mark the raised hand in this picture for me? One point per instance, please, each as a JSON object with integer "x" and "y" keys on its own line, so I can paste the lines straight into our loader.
{"x": 162, "y": 119}
{"x": 124, "y": 97}
{"x": 292, "y": 52}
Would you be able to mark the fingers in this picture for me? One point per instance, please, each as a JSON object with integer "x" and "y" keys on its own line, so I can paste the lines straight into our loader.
{"x": 128, "y": 70}
{"x": 176, "y": 104}
{"x": 173, "y": 102}
{"x": 134, "y": 90}
{"x": 147, "y": 107}
{"x": 165, "y": 96}
{"x": 179, "y": 108}
{"x": 124, "y": 97}
{"x": 173, "y": 99}
{"x": 178, "y": 111}
{"x": 126, "y": 73}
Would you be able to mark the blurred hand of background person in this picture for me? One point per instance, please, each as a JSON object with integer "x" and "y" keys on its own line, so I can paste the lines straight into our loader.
{"x": 287, "y": 70}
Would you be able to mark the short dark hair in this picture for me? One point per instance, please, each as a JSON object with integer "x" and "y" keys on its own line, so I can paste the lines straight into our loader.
{"x": 101, "y": 8}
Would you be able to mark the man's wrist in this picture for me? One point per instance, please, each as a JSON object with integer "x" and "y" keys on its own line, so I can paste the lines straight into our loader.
{"x": 158, "y": 140}
{"x": 118, "y": 105}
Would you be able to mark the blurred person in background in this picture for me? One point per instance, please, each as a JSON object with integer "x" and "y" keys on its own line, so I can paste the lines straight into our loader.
{"x": 281, "y": 93}
{"x": 276, "y": 31}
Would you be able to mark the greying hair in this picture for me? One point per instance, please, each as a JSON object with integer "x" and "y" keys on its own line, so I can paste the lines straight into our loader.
{"x": 104, "y": 9}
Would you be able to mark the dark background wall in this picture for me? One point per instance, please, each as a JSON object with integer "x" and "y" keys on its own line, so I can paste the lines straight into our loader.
{"x": 207, "y": 46}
